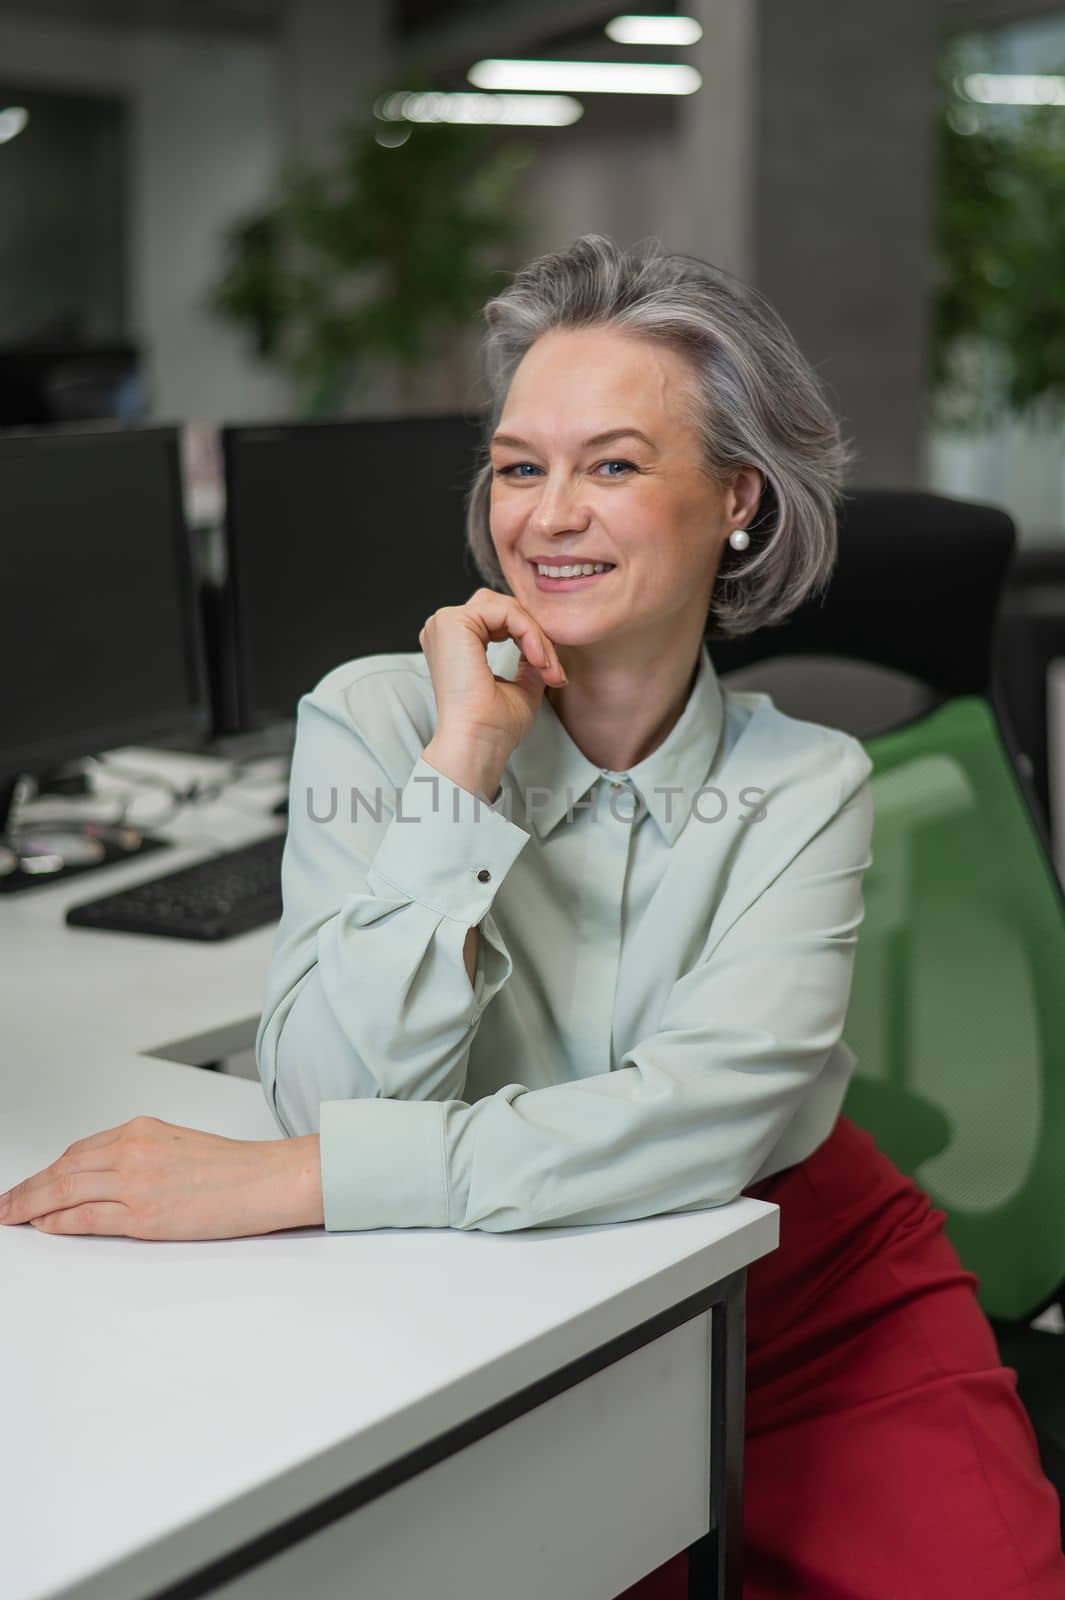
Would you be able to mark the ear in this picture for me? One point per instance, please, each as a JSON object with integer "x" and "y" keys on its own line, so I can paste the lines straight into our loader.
{"x": 743, "y": 494}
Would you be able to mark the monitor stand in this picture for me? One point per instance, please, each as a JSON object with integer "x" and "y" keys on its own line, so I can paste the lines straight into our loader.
{"x": 36, "y": 854}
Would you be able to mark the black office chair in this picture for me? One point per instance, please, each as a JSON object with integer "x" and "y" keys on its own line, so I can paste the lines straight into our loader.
{"x": 1029, "y": 636}
{"x": 957, "y": 1012}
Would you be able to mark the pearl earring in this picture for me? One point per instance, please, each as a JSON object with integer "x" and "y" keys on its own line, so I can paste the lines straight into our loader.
{"x": 739, "y": 538}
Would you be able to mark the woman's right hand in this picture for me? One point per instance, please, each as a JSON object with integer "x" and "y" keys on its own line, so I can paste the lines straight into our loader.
{"x": 473, "y": 702}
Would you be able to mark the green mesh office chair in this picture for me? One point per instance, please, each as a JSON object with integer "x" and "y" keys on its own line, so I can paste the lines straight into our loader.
{"x": 957, "y": 1014}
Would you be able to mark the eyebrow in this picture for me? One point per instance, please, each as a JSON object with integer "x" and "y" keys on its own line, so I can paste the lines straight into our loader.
{"x": 596, "y": 438}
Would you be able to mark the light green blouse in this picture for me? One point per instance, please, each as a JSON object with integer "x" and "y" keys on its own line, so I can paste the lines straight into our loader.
{"x": 663, "y": 970}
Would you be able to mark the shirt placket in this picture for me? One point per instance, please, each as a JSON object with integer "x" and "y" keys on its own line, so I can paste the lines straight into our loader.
{"x": 599, "y": 951}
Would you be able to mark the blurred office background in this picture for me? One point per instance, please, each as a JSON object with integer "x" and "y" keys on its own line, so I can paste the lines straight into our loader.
{"x": 291, "y": 211}
{"x": 831, "y": 154}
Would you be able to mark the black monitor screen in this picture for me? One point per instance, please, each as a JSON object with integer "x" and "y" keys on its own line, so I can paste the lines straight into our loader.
{"x": 99, "y": 637}
{"x": 343, "y": 537}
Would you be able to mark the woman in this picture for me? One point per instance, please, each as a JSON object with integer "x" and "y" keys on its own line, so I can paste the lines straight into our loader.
{"x": 569, "y": 932}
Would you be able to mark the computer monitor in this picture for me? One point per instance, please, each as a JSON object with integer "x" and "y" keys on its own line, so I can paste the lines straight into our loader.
{"x": 342, "y": 538}
{"x": 100, "y": 639}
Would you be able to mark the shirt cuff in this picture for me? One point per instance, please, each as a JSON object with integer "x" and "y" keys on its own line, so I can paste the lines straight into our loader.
{"x": 383, "y": 1164}
{"x": 445, "y": 847}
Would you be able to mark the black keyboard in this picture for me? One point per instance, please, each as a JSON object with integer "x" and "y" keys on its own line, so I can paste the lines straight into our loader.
{"x": 215, "y": 899}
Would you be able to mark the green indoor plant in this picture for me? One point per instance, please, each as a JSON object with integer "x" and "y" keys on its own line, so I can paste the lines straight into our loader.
{"x": 380, "y": 252}
{"x": 998, "y": 345}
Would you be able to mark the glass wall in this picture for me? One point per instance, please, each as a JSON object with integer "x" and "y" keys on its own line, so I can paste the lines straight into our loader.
{"x": 996, "y": 376}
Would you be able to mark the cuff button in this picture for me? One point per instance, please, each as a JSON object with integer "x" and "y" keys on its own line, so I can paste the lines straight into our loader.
{"x": 484, "y": 875}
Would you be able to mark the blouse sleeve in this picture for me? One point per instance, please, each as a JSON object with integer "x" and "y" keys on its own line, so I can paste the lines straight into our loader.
{"x": 688, "y": 1118}
{"x": 367, "y": 995}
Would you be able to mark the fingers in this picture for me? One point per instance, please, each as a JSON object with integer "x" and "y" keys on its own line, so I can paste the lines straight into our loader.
{"x": 59, "y": 1185}
{"x": 57, "y": 1189}
{"x": 99, "y": 1216}
{"x": 503, "y": 616}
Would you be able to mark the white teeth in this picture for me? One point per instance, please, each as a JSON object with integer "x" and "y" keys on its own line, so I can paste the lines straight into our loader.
{"x": 582, "y": 571}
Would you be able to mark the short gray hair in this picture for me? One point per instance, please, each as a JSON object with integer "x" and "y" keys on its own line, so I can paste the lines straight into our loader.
{"x": 758, "y": 403}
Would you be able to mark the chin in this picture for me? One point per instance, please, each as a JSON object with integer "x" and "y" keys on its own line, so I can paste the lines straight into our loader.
{"x": 574, "y": 632}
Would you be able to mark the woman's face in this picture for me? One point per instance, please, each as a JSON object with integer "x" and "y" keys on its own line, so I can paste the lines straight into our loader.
{"x": 645, "y": 504}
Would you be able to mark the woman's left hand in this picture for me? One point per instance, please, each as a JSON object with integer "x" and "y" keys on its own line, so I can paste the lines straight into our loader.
{"x": 149, "y": 1179}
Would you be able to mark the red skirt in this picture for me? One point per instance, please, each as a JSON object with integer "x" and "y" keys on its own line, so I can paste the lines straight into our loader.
{"x": 887, "y": 1455}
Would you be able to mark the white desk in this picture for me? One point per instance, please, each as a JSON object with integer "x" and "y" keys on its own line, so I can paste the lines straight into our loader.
{"x": 389, "y": 1415}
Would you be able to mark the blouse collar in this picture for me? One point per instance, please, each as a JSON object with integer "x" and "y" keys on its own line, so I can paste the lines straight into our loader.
{"x": 548, "y": 760}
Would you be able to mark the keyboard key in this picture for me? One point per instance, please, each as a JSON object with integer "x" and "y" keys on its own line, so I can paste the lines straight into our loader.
{"x": 218, "y": 898}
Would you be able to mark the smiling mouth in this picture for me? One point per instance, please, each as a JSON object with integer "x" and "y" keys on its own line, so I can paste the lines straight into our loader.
{"x": 571, "y": 585}
{"x": 565, "y": 570}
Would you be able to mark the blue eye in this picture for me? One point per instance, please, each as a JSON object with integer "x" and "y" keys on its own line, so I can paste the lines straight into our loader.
{"x": 503, "y": 472}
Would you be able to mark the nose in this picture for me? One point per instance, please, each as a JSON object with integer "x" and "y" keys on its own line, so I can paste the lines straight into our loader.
{"x": 557, "y": 510}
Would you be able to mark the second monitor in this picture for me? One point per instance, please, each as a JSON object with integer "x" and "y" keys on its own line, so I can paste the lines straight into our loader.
{"x": 342, "y": 537}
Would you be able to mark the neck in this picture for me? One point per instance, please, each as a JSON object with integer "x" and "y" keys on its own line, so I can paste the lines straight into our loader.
{"x": 618, "y": 713}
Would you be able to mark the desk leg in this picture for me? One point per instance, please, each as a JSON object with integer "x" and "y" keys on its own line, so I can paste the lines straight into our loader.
{"x": 715, "y": 1562}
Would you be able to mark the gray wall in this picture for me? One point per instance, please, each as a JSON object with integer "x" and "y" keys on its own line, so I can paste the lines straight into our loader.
{"x": 204, "y": 140}
{"x": 843, "y": 205}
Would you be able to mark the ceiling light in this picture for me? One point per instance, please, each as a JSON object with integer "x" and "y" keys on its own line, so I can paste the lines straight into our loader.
{"x": 654, "y": 30}
{"x": 527, "y": 110}
{"x": 1013, "y": 88}
{"x": 589, "y": 77}
{"x": 12, "y": 121}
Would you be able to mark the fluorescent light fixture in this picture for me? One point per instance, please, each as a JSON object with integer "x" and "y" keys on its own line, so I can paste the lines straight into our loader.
{"x": 527, "y": 110}
{"x": 588, "y": 77}
{"x": 12, "y": 121}
{"x": 654, "y": 30}
{"x": 1013, "y": 88}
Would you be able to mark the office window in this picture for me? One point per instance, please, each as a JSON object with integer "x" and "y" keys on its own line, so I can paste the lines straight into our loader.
{"x": 996, "y": 430}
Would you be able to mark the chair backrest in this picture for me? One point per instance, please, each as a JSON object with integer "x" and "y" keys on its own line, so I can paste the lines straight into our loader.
{"x": 916, "y": 588}
{"x": 957, "y": 1014}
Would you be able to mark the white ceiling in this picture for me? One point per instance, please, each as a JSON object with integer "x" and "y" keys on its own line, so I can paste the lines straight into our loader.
{"x": 205, "y": 16}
